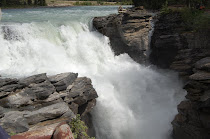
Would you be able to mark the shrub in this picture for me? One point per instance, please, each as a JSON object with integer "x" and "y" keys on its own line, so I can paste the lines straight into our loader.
{"x": 165, "y": 9}
{"x": 79, "y": 128}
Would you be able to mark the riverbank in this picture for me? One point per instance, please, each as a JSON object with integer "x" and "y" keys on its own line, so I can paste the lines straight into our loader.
{"x": 58, "y": 4}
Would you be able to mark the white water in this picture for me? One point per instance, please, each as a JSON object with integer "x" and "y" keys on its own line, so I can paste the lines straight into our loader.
{"x": 135, "y": 102}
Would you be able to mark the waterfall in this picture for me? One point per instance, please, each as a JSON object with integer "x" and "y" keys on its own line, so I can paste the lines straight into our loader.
{"x": 135, "y": 102}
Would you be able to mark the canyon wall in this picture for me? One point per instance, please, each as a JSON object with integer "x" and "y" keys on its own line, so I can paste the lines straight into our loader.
{"x": 188, "y": 53}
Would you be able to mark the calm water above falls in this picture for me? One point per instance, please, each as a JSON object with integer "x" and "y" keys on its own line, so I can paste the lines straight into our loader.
{"x": 135, "y": 102}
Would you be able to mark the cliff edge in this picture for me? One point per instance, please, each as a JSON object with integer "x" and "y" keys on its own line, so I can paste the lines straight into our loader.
{"x": 128, "y": 32}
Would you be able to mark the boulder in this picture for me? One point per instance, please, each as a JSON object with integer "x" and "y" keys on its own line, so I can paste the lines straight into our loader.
{"x": 63, "y": 80}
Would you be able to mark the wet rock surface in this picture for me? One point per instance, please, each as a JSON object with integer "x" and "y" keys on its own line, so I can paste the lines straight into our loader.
{"x": 187, "y": 53}
{"x": 40, "y": 101}
{"x": 128, "y": 32}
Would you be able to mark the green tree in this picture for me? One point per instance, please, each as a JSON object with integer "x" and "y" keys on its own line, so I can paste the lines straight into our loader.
{"x": 29, "y": 2}
{"x": 149, "y": 4}
{"x": 4, "y": 3}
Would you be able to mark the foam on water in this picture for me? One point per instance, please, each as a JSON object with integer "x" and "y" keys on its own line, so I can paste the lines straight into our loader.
{"x": 135, "y": 102}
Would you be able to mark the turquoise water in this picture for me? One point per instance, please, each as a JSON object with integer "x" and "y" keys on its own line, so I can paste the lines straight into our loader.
{"x": 135, "y": 102}
{"x": 56, "y": 15}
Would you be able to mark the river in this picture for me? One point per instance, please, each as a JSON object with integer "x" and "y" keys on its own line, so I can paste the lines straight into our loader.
{"x": 135, "y": 101}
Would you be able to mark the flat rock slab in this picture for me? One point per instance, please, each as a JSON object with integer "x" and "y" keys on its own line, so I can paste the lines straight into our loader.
{"x": 63, "y": 80}
{"x": 49, "y": 112}
{"x": 199, "y": 76}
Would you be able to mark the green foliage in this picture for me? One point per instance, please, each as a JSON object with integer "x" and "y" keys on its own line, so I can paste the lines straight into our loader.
{"x": 100, "y": 2}
{"x": 79, "y": 128}
{"x": 12, "y": 133}
{"x": 165, "y": 9}
{"x": 149, "y": 4}
{"x": 195, "y": 19}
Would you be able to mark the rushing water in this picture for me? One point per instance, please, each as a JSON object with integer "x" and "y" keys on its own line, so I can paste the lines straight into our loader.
{"x": 135, "y": 102}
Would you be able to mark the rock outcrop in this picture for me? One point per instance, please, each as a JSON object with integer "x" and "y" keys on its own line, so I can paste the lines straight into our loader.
{"x": 128, "y": 32}
{"x": 188, "y": 53}
{"x": 38, "y": 101}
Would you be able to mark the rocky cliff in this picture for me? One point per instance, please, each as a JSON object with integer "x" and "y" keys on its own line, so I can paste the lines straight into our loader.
{"x": 40, "y": 101}
{"x": 128, "y": 32}
{"x": 188, "y": 53}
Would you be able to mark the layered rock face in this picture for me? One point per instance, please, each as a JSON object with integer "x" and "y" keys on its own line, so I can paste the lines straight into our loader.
{"x": 38, "y": 101}
{"x": 128, "y": 32}
{"x": 188, "y": 53}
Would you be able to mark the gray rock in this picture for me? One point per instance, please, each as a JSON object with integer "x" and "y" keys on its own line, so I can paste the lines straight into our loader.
{"x": 14, "y": 122}
{"x": 7, "y": 81}
{"x": 4, "y": 94}
{"x": 39, "y": 78}
{"x": 200, "y": 76}
{"x": 42, "y": 90}
{"x": 18, "y": 99}
{"x": 49, "y": 112}
{"x": 203, "y": 64}
{"x": 63, "y": 80}
{"x": 74, "y": 107}
{"x": 11, "y": 87}
{"x": 56, "y": 96}
{"x": 81, "y": 92}
{"x": 87, "y": 109}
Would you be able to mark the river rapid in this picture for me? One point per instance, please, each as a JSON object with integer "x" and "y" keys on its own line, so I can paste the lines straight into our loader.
{"x": 135, "y": 101}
